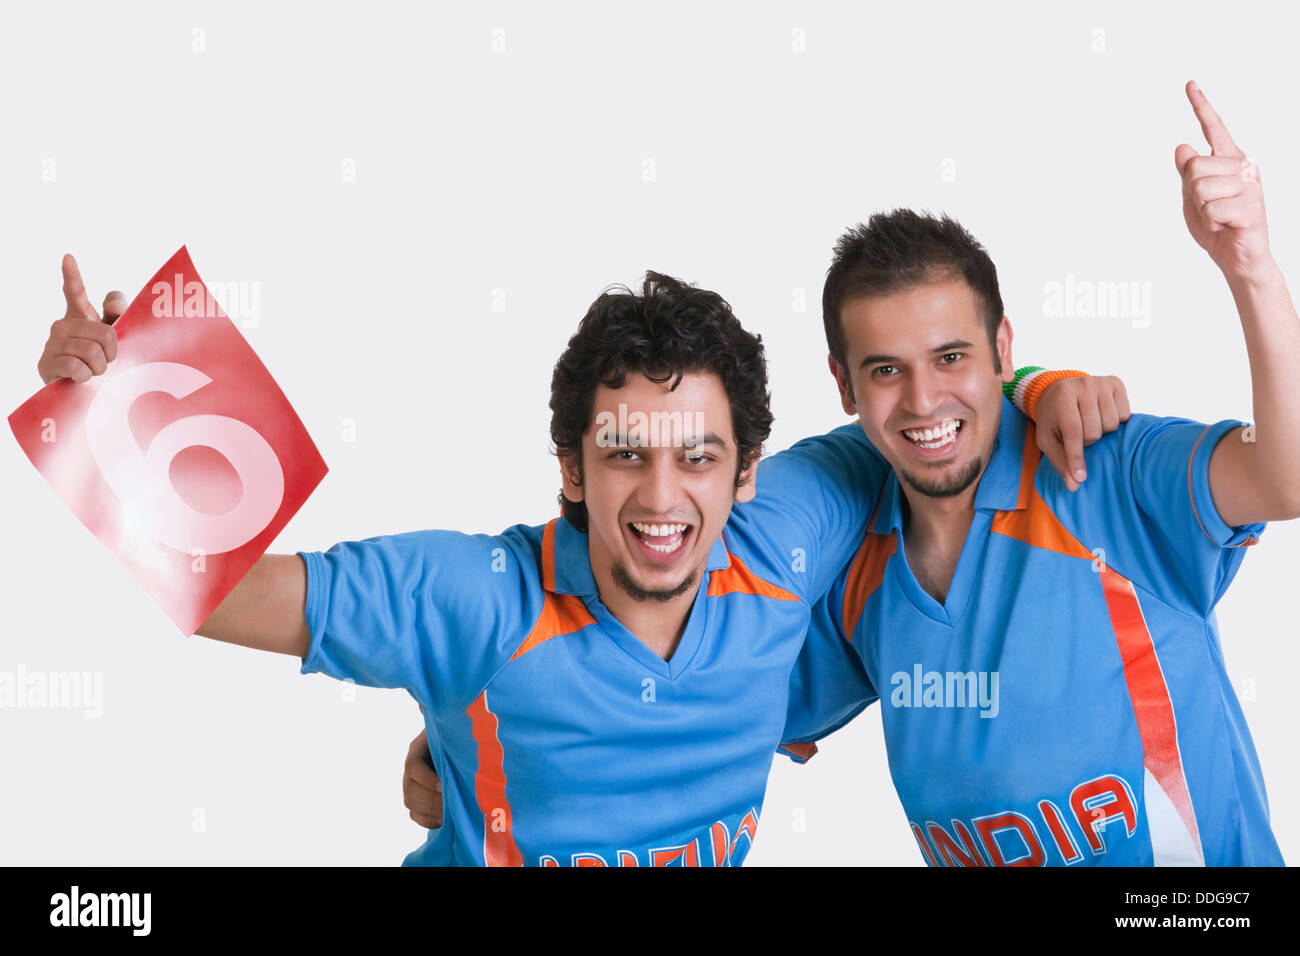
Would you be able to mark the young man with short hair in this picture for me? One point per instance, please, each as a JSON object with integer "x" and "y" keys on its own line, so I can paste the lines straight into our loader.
{"x": 1052, "y": 685}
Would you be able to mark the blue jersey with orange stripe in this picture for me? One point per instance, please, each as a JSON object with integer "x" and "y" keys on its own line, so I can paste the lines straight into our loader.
{"x": 1068, "y": 703}
{"x": 560, "y": 738}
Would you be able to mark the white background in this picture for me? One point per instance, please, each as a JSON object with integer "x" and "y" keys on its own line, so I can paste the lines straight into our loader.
{"x": 524, "y": 170}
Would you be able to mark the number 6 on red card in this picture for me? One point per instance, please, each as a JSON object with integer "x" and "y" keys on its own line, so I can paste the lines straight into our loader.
{"x": 167, "y": 425}
{"x": 143, "y": 482}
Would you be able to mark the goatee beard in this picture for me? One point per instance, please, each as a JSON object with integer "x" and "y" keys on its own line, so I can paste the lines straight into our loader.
{"x": 952, "y": 484}
{"x": 636, "y": 593}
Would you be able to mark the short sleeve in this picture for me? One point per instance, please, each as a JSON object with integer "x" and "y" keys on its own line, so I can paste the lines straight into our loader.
{"x": 1164, "y": 484}
{"x": 811, "y": 507}
{"x": 829, "y": 685}
{"x": 434, "y": 612}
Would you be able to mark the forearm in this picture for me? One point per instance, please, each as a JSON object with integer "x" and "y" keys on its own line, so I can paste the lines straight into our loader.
{"x": 1272, "y": 333}
{"x": 266, "y": 609}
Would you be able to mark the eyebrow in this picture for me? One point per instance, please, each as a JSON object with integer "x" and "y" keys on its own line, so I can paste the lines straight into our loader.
{"x": 708, "y": 438}
{"x": 939, "y": 350}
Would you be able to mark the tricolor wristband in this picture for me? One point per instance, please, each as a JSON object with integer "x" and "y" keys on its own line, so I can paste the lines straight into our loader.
{"x": 1029, "y": 384}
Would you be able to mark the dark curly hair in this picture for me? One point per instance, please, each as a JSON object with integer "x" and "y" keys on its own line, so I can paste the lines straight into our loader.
{"x": 899, "y": 250}
{"x": 670, "y": 329}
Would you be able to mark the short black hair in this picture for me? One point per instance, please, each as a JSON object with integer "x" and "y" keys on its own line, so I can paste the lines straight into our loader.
{"x": 902, "y": 249}
{"x": 669, "y": 329}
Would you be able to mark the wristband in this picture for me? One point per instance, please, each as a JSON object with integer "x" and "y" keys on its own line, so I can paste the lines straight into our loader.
{"x": 1030, "y": 383}
{"x": 1009, "y": 388}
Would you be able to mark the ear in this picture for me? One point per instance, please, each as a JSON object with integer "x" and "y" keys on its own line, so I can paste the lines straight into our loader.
{"x": 748, "y": 484}
{"x": 1003, "y": 341}
{"x": 571, "y": 477}
{"x": 845, "y": 385}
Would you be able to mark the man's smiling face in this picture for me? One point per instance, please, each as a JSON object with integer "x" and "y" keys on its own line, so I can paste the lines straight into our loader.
{"x": 920, "y": 372}
{"x": 654, "y": 511}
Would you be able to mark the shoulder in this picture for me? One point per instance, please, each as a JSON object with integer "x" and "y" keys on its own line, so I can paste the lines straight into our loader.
{"x": 1142, "y": 449}
{"x": 845, "y": 445}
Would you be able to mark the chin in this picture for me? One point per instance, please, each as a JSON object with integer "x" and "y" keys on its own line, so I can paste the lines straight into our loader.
{"x": 660, "y": 592}
{"x": 945, "y": 482}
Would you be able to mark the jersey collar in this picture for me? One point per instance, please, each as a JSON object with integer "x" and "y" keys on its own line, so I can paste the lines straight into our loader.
{"x": 567, "y": 567}
{"x": 999, "y": 487}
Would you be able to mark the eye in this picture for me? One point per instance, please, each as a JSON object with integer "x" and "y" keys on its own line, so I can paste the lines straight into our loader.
{"x": 883, "y": 371}
{"x": 618, "y": 455}
{"x": 697, "y": 458}
{"x": 950, "y": 358}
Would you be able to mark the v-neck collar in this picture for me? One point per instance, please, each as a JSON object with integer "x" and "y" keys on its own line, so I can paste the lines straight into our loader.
{"x": 566, "y": 569}
{"x": 999, "y": 490}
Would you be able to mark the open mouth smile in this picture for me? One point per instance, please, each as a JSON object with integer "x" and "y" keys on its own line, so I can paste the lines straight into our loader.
{"x": 661, "y": 543}
{"x": 937, "y": 438}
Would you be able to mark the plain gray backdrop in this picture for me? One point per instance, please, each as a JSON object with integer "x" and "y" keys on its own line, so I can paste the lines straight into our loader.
{"x": 426, "y": 198}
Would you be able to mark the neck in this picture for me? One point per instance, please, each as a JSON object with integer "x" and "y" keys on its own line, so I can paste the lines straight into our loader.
{"x": 937, "y": 518}
{"x": 934, "y": 532}
{"x": 656, "y": 624}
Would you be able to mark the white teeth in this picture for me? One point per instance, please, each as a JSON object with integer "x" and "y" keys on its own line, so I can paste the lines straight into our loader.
{"x": 936, "y": 437}
{"x": 659, "y": 530}
{"x": 676, "y": 532}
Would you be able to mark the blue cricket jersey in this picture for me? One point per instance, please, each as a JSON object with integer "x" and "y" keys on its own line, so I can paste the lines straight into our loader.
{"x": 560, "y": 738}
{"x": 1068, "y": 703}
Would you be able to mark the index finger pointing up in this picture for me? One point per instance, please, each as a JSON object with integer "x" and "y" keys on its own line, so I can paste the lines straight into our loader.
{"x": 74, "y": 291}
{"x": 1216, "y": 134}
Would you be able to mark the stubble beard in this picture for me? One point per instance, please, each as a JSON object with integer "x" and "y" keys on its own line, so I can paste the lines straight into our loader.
{"x": 637, "y": 593}
{"x": 949, "y": 485}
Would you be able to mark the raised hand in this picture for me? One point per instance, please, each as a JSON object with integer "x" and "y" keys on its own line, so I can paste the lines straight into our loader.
{"x": 80, "y": 344}
{"x": 1223, "y": 198}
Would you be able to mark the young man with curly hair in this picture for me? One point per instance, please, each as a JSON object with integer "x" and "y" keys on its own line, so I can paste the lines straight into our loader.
{"x": 608, "y": 688}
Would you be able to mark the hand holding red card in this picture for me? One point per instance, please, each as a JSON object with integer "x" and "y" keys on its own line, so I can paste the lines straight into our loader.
{"x": 183, "y": 456}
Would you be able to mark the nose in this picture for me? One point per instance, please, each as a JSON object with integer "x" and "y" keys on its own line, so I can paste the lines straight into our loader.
{"x": 924, "y": 392}
{"x": 660, "y": 490}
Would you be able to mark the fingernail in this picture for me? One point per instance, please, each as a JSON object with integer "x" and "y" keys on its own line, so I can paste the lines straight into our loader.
{"x": 1080, "y": 474}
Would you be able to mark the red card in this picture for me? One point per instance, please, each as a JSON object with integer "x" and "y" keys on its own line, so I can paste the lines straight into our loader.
{"x": 184, "y": 457}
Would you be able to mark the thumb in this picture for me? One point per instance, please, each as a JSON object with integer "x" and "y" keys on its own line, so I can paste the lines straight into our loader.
{"x": 1182, "y": 154}
{"x": 114, "y": 306}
